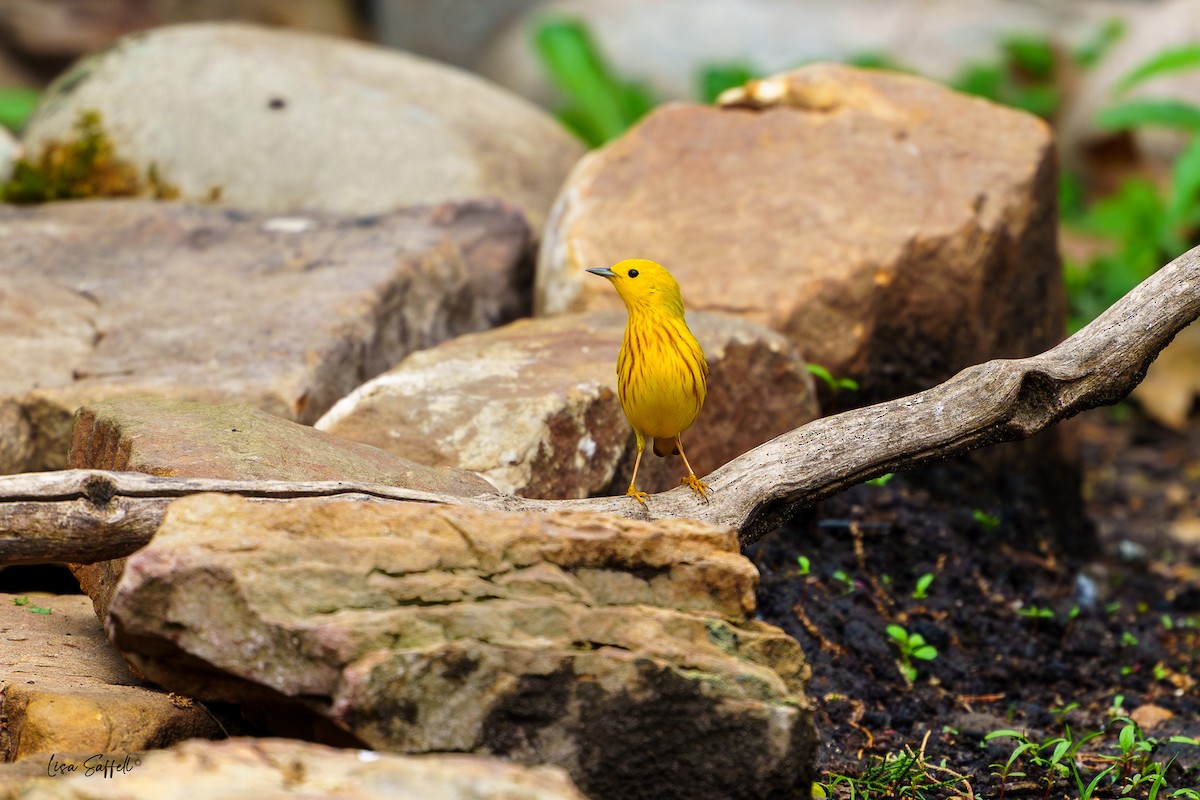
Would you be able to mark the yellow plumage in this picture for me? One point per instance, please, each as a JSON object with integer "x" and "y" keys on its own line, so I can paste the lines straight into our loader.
{"x": 662, "y": 377}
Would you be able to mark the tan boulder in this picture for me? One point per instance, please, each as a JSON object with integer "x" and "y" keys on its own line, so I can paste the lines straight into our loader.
{"x": 252, "y": 769}
{"x": 64, "y": 689}
{"x": 894, "y": 229}
{"x": 623, "y": 651}
{"x": 286, "y": 122}
{"x": 160, "y": 436}
{"x": 288, "y": 314}
{"x": 533, "y": 407}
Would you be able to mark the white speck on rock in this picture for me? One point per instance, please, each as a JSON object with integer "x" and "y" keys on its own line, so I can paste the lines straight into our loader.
{"x": 288, "y": 225}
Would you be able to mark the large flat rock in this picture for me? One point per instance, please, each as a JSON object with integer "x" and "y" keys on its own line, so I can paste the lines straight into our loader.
{"x": 112, "y": 298}
{"x": 533, "y": 406}
{"x": 64, "y": 689}
{"x": 623, "y": 651}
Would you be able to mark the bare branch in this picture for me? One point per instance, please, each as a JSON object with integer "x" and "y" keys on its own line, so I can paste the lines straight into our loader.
{"x": 90, "y": 515}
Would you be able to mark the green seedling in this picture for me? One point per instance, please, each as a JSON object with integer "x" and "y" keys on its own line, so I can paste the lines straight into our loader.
{"x": 1035, "y": 612}
{"x": 906, "y": 774}
{"x": 922, "y": 590}
{"x": 803, "y": 564}
{"x": 25, "y": 601}
{"x": 988, "y": 522}
{"x": 882, "y": 480}
{"x": 912, "y": 646}
{"x": 841, "y": 577}
{"x": 835, "y": 385}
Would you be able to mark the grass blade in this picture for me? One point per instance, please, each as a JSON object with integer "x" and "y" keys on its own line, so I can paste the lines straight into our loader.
{"x": 1168, "y": 61}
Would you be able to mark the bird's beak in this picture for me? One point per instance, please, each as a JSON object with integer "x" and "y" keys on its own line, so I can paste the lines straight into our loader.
{"x": 603, "y": 272}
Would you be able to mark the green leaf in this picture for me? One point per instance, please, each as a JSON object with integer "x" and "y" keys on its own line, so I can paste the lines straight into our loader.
{"x": 1093, "y": 50}
{"x": 925, "y": 652}
{"x": 1033, "y": 54}
{"x": 1185, "y": 185}
{"x": 882, "y": 480}
{"x": 599, "y": 105}
{"x": 17, "y": 106}
{"x": 898, "y": 633}
{"x": 818, "y": 371}
{"x": 847, "y": 383}
{"x": 1168, "y": 61}
{"x": 1150, "y": 111}
{"x": 981, "y": 80}
{"x": 21, "y": 601}
{"x": 986, "y": 520}
{"x": 40, "y": 610}
{"x": 1060, "y": 750}
{"x": 1006, "y": 733}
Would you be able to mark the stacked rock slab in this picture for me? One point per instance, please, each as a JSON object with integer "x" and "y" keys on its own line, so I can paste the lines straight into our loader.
{"x": 533, "y": 407}
{"x": 114, "y": 298}
{"x": 625, "y": 652}
{"x": 160, "y": 436}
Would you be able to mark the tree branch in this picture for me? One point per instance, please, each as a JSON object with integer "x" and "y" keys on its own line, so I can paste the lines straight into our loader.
{"x": 89, "y": 515}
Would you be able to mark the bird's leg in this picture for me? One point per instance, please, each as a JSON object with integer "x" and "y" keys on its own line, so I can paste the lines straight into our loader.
{"x": 632, "y": 491}
{"x": 691, "y": 481}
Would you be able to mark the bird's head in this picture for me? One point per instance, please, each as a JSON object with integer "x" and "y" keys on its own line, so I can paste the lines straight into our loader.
{"x": 643, "y": 285}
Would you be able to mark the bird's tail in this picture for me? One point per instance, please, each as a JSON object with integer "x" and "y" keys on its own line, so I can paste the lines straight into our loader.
{"x": 665, "y": 447}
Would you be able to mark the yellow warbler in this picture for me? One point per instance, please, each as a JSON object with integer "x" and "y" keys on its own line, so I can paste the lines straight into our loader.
{"x": 662, "y": 377}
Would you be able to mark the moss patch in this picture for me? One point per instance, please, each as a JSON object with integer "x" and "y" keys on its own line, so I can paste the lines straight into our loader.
{"x": 86, "y": 166}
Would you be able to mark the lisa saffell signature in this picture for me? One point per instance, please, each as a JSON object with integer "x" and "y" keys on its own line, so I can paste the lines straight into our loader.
{"x": 101, "y": 765}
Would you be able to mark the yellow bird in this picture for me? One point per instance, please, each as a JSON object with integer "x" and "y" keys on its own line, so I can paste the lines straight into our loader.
{"x": 662, "y": 377}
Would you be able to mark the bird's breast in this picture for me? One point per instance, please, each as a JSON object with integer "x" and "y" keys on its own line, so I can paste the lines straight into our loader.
{"x": 662, "y": 376}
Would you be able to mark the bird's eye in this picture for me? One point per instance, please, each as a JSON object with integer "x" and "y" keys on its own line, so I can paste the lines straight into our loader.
{"x": 633, "y": 273}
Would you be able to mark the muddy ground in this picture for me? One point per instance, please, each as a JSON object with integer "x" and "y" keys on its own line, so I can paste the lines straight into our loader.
{"x": 1030, "y": 636}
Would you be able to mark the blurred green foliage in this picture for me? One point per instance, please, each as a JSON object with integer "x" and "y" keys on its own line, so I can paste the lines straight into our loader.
{"x": 1145, "y": 225}
{"x": 599, "y": 104}
{"x": 16, "y": 107}
{"x": 1023, "y": 77}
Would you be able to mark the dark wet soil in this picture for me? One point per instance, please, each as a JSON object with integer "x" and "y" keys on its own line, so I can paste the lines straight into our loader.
{"x": 1030, "y": 636}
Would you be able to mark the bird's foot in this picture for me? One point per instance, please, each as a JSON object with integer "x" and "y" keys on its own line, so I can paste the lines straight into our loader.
{"x": 636, "y": 495}
{"x": 696, "y": 485}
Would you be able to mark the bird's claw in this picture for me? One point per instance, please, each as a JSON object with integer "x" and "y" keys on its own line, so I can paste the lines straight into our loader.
{"x": 636, "y": 495}
{"x": 696, "y": 485}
